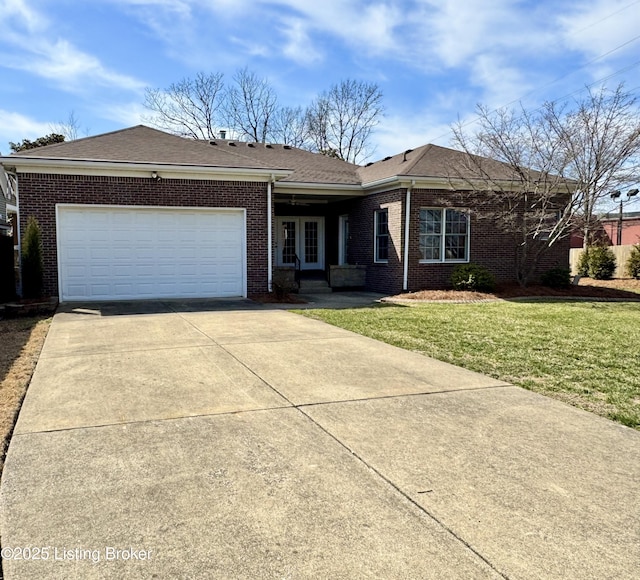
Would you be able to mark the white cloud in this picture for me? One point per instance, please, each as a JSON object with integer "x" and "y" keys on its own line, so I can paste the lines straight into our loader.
{"x": 299, "y": 47}
{"x": 25, "y": 15}
{"x": 69, "y": 67}
{"x": 28, "y": 35}
{"x": 125, "y": 114}
{"x": 370, "y": 26}
{"x": 400, "y": 132}
{"x": 600, "y": 26}
{"x": 15, "y": 127}
{"x": 501, "y": 82}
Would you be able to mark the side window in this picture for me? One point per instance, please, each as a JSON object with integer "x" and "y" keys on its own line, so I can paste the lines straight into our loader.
{"x": 444, "y": 235}
{"x": 381, "y": 229}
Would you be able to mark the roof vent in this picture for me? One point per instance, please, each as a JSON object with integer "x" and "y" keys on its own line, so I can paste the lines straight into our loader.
{"x": 250, "y": 145}
{"x": 386, "y": 159}
{"x": 368, "y": 164}
{"x": 232, "y": 144}
{"x": 269, "y": 146}
{"x": 223, "y": 134}
{"x": 212, "y": 143}
{"x": 404, "y": 155}
{"x": 286, "y": 146}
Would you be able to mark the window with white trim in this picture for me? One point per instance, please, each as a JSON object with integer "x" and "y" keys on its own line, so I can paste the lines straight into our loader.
{"x": 444, "y": 235}
{"x": 381, "y": 229}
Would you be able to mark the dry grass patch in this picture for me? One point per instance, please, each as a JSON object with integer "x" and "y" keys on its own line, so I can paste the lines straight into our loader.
{"x": 21, "y": 340}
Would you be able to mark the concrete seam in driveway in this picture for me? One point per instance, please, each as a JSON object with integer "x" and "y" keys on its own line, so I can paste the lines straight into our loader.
{"x": 265, "y": 381}
{"x": 387, "y": 481}
{"x": 383, "y": 397}
{"x": 405, "y": 495}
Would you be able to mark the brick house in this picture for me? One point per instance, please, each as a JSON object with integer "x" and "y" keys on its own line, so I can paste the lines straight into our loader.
{"x": 139, "y": 213}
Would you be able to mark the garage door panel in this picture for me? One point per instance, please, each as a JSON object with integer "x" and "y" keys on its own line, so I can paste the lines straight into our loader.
{"x": 126, "y": 253}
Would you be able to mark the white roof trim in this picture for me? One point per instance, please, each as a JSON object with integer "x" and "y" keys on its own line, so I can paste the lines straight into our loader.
{"x": 118, "y": 168}
{"x": 290, "y": 187}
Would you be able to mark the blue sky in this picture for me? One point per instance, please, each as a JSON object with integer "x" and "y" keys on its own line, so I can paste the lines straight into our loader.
{"x": 433, "y": 59}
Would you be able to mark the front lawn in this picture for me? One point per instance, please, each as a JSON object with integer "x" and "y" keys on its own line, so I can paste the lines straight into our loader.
{"x": 584, "y": 353}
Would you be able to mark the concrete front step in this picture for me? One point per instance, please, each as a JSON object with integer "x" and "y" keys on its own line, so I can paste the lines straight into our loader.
{"x": 314, "y": 287}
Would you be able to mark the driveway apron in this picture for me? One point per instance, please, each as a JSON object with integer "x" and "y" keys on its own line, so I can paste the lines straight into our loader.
{"x": 229, "y": 440}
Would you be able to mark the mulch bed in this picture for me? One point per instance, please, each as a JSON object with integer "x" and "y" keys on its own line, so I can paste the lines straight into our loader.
{"x": 620, "y": 289}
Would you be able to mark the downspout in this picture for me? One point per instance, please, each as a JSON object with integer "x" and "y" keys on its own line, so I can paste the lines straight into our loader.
{"x": 269, "y": 236}
{"x": 407, "y": 216}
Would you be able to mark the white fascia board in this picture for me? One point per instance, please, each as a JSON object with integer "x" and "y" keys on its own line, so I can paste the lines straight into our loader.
{"x": 127, "y": 169}
{"x": 445, "y": 183}
{"x": 324, "y": 189}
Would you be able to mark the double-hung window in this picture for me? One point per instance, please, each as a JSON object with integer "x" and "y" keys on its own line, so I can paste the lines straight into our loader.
{"x": 444, "y": 235}
{"x": 381, "y": 242}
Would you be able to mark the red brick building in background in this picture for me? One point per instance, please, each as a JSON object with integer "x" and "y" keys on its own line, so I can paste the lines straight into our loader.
{"x": 608, "y": 231}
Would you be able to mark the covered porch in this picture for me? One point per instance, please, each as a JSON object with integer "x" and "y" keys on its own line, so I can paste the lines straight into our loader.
{"x": 311, "y": 242}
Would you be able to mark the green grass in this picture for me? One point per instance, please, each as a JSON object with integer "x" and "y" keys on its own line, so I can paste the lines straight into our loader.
{"x": 584, "y": 353}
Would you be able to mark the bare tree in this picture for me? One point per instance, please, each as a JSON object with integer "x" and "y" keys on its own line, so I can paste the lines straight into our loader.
{"x": 340, "y": 121}
{"x": 600, "y": 137}
{"x": 250, "y": 106}
{"x": 555, "y": 165}
{"x": 190, "y": 108}
{"x": 519, "y": 173}
{"x": 290, "y": 127}
{"x": 69, "y": 128}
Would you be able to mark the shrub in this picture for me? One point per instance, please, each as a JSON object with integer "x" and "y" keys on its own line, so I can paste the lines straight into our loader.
{"x": 32, "y": 261}
{"x": 556, "y": 278}
{"x": 472, "y": 277}
{"x": 633, "y": 263}
{"x": 583, "y": 263}
{"x": 602, "y": 263}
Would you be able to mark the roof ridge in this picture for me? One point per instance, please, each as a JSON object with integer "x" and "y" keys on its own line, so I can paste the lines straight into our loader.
{"x": 87, "y": 138}
{"x": 413, "y": 163}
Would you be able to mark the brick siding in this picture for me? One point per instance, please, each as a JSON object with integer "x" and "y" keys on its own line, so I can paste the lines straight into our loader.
{"x": 39, "y": 194}
{"x": 488, "y": 246}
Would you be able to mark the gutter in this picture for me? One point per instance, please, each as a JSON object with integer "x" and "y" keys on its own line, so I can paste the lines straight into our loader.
{"x": 270, "y": 234}
{"x": 407, "y": 217}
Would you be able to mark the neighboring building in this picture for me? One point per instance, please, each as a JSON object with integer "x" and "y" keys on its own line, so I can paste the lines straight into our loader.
{"x": 139, "y": 213}
{"x": 608, "y": 230}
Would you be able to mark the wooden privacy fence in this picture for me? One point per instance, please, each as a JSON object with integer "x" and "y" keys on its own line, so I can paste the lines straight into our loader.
{"x": 620, "y": 252}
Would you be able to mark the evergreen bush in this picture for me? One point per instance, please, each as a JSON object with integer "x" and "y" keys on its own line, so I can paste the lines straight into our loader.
{"x": 472, "y": 277}
{"x": 556, "y": 278}
{"x": 602, "y": 263}
{"x": 633, "y": 263}
{"x": 32, "y": 261}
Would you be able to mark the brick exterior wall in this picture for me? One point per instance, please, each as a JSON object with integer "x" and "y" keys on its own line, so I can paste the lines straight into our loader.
{"x": 39, "y": 194}
{"x": 385, "y": 277}
{"x": 488, "y": 246}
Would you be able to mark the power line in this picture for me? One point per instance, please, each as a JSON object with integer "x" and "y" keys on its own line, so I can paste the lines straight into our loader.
{"x": 605, "y": 78}
{"x": 573, "y": 71}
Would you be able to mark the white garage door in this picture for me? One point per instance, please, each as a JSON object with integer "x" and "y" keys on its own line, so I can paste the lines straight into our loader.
{"x": 119, "y": 253}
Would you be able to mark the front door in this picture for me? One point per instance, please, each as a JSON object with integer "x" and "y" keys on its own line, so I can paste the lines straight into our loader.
{"x": 302, "y": 237}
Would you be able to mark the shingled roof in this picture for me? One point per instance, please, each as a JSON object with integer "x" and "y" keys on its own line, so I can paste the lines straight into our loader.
{"x": 307, "y": 167}
{"x": 143, "y": 144}
{"x": 435, "y": 162}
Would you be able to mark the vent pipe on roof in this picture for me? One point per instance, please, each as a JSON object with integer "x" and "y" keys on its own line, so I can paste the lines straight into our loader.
{"x": 223, "y": 134}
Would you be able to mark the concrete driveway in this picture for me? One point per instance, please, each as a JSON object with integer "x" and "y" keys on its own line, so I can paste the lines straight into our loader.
{"x": 227, "y": 440}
